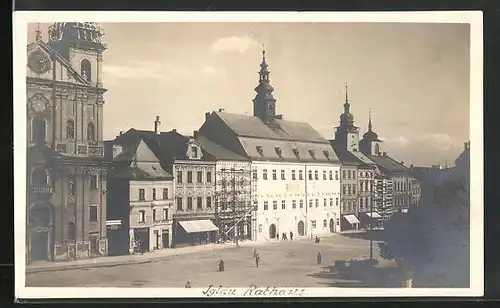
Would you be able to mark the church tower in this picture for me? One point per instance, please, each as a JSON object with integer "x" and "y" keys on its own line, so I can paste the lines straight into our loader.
{"x": 347, "y": 134}
{"x": 370, "y": 144}
{"x": 264, "y": 104}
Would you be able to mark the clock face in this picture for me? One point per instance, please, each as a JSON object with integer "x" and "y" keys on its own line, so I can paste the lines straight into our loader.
{"x": 39, "y": 62}
{"x": 38, "y": 103}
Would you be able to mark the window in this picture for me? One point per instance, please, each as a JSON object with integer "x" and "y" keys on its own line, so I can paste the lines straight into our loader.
{"x": 199, "y": 177}
{"x": 313, "y": 154}
{"x": 179, "y": 176}
{"x": 294, "y": 204}
{"x": 254, "y": 175}
{"x": 331, "y": 201}
{"x": 313, "y": 224}
{"x": 283, "y": 204}
{"x": 336, "y": 175}
{"x": 317, "y": 203}
{"x": 142, "y": 194}
{"x": 70, "y": 129}
{"x": 154, "y": 215}
{"x": 324, "y": 202}
{"x": 348, "y": 189}
{"x": 194, "y": 152}
{"x": 343, "y": 174}
{"x": 338, "y": 221}
{"x": 361, "y": 204}
{"x": 301, "y": 203}
{"x": 293, "y": 175}
{"x": 367, "y": 186}
{"x": 190, "y": 203}
{"x": 324, "y": 175}
{"x": 165, "y": 214}
{"x": 260, "y": 151}
{"x": 354, "y": 175}
{"x": 142, "y": 216}
{"x": 209, "y": 202}
{"x": 199, "y": 203}
{"x": 336, "y": 201}
{"x": 91, "y": 132}
{"x": 190, "y": 177}
{"x": 330, "y": 174}
{"x": 282, "y": 174}
{"x": 264, "y": 174}
{"x": 343, "y": 189}
{"x": 266, "y": 205}
{"x": 274, "y": 175}
{"x": 209, "y": 176}
{"x": 316, "y": 175}
{"x": 301, "y": 175}
{"x": 93, "y": 213}
{"x": 38, "y": 129}
{"x": 327, "y": 155}
{"x": 310, "y": 203}
{"x": 165, "y": 193}
{"x": 354, "y": 189}
{"x": 324, "y": 223}
{"x": 360, "y": 185}
{"x": 296, "y": 153}
{"x": 275, "y": 205}
{"x": 85, "y": 69}
{"x": 310, "y": 174}
{"x": 366, "y": 202}
{"x": 93, "y": 182}
{"x": 154, "y": 193}
{"x": 348, "y": 174}
{"x": 278, "y": 152}
{"x": 179, "y": 203}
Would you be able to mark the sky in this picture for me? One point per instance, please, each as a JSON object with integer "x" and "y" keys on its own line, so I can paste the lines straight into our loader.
{"x": 414, "y": 77}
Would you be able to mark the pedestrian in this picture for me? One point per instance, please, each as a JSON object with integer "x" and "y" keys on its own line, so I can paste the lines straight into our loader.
{"x": 221, "y": 265}
{"x": 257, "y": 258}
{"x": 255, "y": 252}
{"x": 277, "y": 236}
{"x": 291, "y": 236}
{"x": 283, "y": 236}
{"x": 319, "y": 258}
{"x": 188, "y": 285}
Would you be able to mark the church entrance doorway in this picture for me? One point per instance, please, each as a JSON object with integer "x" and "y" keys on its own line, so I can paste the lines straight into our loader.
{"x": 332, "y": 226}
{"x": 272, "y": 231}
{"x": 301, "y": 228}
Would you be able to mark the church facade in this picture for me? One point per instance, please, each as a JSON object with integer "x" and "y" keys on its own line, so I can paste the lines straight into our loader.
{"x": 296, "y": 171}
{"x": 66, "y": 171}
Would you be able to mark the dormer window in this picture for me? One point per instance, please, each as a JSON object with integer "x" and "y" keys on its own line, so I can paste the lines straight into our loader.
{"x": 260, "y": 150}
{"x": 327, "y": 155}
{"x": 296, "y": 153}
{"x": 194, "y": 151}
{"x": 278, "y": 152}
{"x": 313, "y": 154}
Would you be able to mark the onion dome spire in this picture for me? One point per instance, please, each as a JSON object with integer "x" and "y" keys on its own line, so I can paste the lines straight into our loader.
{"x": 264, "y": 101}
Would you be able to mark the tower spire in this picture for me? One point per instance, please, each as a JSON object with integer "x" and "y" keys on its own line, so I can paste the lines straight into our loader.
{"x": 264, "y": 102}
{"x": 38, "y": 36}
{"x": 369, "y": 120}
{"x": 346, "y": 104}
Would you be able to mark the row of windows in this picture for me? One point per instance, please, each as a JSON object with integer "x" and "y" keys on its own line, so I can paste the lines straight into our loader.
{"x": 93, "y": 183}
{"x": 351, "y": 205}
{"x": 351, "y": 174}
{"x": 199, "y": 203}
{"x": 199, "y": 177}
{"x": 156, "y": 217}
{"x": 401, "y": 186}
{"x": 142, "y": 194}
{"x": 296, "y": 152}
{"x": 350, "y": 189}
{"x": 297, "y": 175}
{"x": 301, "y": 203}
{"x": 70, "y": 130}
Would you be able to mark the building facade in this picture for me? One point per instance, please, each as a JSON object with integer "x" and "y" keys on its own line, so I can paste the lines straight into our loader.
{"x": 139, "y": 199}
{"x": 295, "y": 168}
{"x": 66, "y": 172}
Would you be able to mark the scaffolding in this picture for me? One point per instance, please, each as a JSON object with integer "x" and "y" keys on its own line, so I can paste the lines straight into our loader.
{"x": 235, "y": 202}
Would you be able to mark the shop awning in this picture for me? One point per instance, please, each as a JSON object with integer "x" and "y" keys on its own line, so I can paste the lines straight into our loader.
{"x": 404, "y": 211}
{"x": 373, "y": 215}
{"x": 196, "y": 226}
{"x": 116, "y": 222}
{"x": 352, "y": 219}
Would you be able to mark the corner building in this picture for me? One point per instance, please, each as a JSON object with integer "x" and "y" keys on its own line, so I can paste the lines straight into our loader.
{"x": 295, "y": 169}
{"x": 66, "y": 172}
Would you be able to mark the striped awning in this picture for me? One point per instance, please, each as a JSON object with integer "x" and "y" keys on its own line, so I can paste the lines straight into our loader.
{"x": 373, "y": 215}
{"x": 196, "y": 226}
{"x": 352, "y": 219}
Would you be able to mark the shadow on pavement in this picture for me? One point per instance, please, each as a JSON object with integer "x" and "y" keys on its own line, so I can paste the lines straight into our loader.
{"x": 375, "y": 235}
{"x": 358, "y": 274}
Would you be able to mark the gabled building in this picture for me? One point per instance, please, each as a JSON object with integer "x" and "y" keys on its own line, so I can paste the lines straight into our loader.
{"x": 295, "y": 168}
{"x": 139, "y": 198}
{"x": 66, "y": 172}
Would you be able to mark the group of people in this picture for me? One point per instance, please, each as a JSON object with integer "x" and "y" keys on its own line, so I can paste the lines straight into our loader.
{"x": 284, "y": 237}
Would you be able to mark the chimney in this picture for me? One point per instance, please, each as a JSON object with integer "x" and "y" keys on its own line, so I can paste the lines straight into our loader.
{"x": 174, "y": 130}
{"x": 221, "y": 109}
{"x": 384, "y": 154}
{"x": 402, "y": 163}
{"x": 207, "y": 115}
{"x": 195, "y": 133}
{"x": 157, "y": 125}
{"x": 121, "y": 132}
{"x": 466, "y": 146}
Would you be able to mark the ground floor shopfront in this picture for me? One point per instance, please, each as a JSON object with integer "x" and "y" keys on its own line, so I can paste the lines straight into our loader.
{"x": 361, "y": 221}
{"x": 193, "y": 232}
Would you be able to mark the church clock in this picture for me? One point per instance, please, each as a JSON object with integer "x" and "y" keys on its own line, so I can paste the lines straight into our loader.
{"x": 39, "y": 62}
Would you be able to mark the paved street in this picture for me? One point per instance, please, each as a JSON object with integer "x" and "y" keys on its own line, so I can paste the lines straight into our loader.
{"x": 284, "y": 263}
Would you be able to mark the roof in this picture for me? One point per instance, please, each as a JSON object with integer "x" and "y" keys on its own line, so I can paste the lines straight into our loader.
{"x": 253, "y": 127}
{"x": 389, "y": 165}
{"x": 217, "y": 151}
{"x": 351, "y": 157}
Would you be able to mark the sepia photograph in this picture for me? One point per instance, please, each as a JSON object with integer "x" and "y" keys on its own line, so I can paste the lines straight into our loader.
{"x": 248, "y": 155}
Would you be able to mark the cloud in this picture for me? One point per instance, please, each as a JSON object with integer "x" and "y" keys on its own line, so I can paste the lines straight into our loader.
{"x": 213, "y": 72}
{"x": 427, "y": 142}
{"x": 233, "y": 43}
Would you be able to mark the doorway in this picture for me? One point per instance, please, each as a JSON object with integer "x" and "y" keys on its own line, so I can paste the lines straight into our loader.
{"x": 272, "y": 231}
{"x": 165, "y": 235}
{"x": 94, "y": 244}
{"x": 301, "y": 228}
{"x": 332, "y": 226}
{"x": 39, "y": 246}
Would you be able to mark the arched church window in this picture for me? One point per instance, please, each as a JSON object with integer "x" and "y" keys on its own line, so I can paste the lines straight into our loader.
{"x": 39, "y": 177}
{"x": 38, "y": 129}
{"x": 86, "y": 69}
{"x": 91, "y": 132}
{"x": 377, "y": 149}
{"x": 70, "y": 129}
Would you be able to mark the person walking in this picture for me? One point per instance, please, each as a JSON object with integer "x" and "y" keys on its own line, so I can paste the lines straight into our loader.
{"x": 188, "y": 285}
{"x": 255, "y": 252}
{"x": 291, "y": 236}
{"x": 319, "y": 258}
{"x": 277, "y": 236}
{"x": 257, "y": 259}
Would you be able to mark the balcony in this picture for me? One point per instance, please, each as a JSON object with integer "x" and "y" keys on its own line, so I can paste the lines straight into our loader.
{"x": 41, "y": 190}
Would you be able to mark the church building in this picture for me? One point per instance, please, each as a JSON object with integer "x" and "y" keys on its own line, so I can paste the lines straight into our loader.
{"x": 66, "y": 172}
{"x": 295, "y": 169}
